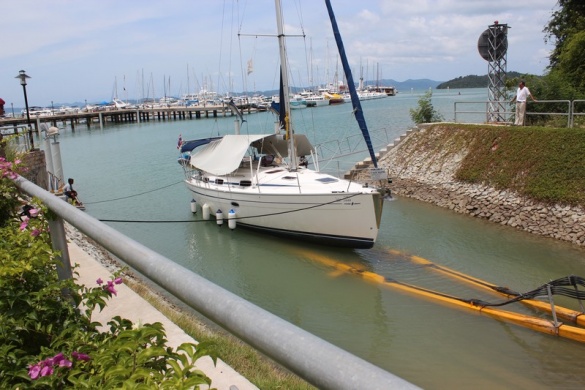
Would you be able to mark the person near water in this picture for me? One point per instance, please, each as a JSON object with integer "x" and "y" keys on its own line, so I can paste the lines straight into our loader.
{"x": 70, "y": 193}
{"x": 522, "y": 95}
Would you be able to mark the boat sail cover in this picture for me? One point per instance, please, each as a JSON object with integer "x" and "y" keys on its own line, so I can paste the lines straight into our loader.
{"x": 223, "y": 156}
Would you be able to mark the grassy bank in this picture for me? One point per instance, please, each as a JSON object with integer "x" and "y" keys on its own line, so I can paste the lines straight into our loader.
{"x": 544, "y": 164}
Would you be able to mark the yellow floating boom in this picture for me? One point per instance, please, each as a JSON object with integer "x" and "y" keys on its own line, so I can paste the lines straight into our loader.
{"x": 561, "y": 312}
{"x": 535, "y": 323}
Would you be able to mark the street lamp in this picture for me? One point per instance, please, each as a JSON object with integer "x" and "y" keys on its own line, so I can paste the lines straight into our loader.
{"x": 23, "y": 76}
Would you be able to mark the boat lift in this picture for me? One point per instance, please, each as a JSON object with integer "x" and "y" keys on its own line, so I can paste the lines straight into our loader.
{"x": 560, "y": 286}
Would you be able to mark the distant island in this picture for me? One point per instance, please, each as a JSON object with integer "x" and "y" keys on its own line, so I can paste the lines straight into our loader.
{"x": 472, "y": 81}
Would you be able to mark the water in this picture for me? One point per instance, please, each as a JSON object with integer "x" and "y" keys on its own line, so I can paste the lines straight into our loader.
{"x": 129, "y": 172}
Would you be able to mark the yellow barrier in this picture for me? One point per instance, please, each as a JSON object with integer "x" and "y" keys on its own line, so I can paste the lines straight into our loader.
{"x": 535, "y": 323}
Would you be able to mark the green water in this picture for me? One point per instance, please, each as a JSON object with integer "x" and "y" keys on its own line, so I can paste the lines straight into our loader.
{"x": 129, "y": 172}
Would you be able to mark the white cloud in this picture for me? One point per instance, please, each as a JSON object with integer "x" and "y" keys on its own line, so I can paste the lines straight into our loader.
{"x": 75, "y": 50}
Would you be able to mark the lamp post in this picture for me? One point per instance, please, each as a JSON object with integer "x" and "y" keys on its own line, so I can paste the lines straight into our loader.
{"x": 23, "y": 76}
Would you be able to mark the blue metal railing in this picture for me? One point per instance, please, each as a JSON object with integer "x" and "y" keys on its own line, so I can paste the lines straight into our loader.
{"x": 313, "y": 359}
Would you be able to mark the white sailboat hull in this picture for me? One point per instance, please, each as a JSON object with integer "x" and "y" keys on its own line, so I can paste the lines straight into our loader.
{"x": 333, "y": 214}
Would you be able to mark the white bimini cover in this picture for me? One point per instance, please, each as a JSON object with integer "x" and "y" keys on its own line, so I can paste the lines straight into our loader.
{"x": 225, "y": 155}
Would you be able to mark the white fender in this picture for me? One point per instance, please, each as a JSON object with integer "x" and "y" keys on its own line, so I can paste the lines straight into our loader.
{"x": 206, "y": 212}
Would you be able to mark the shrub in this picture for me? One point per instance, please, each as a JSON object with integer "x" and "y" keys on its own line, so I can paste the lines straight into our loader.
{"x": 425, "y": 112}
{"x": 47, "y": 337}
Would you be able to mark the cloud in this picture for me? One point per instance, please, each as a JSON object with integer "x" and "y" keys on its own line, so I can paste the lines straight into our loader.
{"x": 76, "y": 50}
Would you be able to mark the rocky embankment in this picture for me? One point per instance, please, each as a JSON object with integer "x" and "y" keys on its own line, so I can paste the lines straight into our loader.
{"x": 422, "y": 170}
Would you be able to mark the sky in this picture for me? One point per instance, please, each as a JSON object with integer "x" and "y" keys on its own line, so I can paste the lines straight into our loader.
{"x": 77, "y": 51}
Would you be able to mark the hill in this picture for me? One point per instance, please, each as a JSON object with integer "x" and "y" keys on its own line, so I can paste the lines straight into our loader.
{"x": 472, "y": 81}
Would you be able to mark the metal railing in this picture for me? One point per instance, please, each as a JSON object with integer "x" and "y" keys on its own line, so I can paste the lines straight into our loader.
{"x": 21, "y": 143}
{"x": 574, "y": 112}
{"x": 313, "y": 359}
{"x": 569, "y": 112}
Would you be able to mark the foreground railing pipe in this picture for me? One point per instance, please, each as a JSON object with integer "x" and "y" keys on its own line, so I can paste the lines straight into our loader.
{"x": 313, "y": 359}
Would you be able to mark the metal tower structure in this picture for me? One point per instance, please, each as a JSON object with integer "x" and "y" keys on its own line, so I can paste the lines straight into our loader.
{"x": 493, "y": 47}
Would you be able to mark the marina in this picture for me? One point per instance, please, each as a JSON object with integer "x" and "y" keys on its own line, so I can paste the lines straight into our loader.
{"x": 132, "y": 182}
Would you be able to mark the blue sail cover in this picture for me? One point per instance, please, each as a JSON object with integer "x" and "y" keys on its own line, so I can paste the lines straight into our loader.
{"x": 355, "y": 101}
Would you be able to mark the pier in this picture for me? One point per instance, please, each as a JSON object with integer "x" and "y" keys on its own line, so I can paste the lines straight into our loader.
{"x": 102, "y": 117}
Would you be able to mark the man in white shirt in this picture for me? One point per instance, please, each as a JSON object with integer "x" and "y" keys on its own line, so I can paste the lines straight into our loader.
{"x": 522, "y": 95}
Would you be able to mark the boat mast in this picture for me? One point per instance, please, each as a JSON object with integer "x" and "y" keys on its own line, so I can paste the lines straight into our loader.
{"x": 288, "y": 128}
{"x": 357, "y": 107}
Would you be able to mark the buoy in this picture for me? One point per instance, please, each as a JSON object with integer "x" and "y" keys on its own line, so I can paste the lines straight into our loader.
{"x": 232, "y": 219}
{"x": 193, "y": 206}
{"x": 206, "y": 212}
{"x": 219, "y": 217}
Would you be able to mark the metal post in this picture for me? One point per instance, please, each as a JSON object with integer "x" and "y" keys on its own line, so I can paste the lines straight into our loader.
{"x": 552, "y": 306}
{"x": 23, "y": 76}
{"x": 49, "y": 157}
{"x": 59, "y": 242}
{"x": 58, "y": 165}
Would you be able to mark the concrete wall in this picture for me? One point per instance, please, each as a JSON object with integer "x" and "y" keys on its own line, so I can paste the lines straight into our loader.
{"x": 37, "y": 168}
{"x": 422, "y": 170}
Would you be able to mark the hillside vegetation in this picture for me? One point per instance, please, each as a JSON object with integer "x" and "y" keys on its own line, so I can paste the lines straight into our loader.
{"x": 472, "y": 81}
{"x": 543, "y": 164}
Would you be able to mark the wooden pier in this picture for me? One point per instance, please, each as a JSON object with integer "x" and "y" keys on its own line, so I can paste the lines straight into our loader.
{"x": 137, "y": 115}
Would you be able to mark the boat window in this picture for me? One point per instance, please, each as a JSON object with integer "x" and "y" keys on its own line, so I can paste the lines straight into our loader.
{"x": 275, "y": 171}
{"x": 326, "y": 180}
{"x": 218, "y": 181}
{"x": 289, "y": 178}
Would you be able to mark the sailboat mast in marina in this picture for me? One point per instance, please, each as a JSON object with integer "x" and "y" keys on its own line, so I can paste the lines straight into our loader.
{"x": 264, "y": 181}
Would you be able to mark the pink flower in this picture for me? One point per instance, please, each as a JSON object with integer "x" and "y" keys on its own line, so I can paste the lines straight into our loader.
{"x": 61, "y": 361}
{"x": 99, "y": 281}
{"x": 34, "y": 371}
{"x": 118, "y": 281}
{"x": 24, "y": 224}
{"x": 110, "y": 288}
{"x": 80, "y": 356}
{"x": 46, "y": 371}
{"x": 34, "y": 212}
{"x": 35, "y": 232}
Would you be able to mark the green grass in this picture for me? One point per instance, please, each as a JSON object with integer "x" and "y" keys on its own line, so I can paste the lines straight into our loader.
{"x": 543, "y": 164}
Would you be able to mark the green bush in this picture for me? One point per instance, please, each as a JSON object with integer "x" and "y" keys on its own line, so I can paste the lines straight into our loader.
{"x": 425, "y": 112}
{"x": 47, "y": 337}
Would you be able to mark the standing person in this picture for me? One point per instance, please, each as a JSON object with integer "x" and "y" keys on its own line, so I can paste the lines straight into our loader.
{"x": 522, "y": 95}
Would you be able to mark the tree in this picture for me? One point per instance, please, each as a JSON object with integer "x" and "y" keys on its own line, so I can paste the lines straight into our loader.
{"x": 425, "y": 113}
{"x": 565, "y": 23}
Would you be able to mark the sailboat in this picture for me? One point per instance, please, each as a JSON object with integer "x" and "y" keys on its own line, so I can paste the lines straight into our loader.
{"x": 263, "y": 181}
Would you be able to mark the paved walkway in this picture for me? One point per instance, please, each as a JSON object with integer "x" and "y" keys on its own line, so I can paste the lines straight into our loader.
{"x": 130, "y": 305}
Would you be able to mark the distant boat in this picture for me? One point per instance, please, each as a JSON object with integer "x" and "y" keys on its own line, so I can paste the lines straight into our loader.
{"x": 263, "y": 181}
{"x": 333, "y": 97}
{"x": 313, "y": 99}
{"x": 37, "y": 111}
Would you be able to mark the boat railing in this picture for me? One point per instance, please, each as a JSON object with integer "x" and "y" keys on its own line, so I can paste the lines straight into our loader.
{"x": 339, "y": 155}
{"x": 313, "y": 359}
